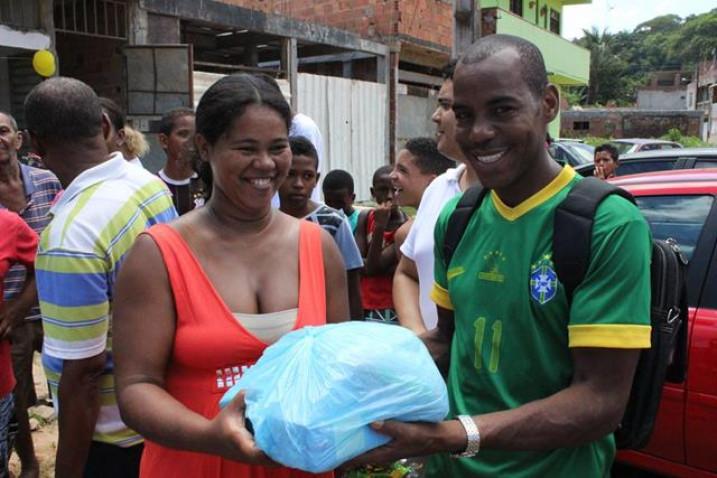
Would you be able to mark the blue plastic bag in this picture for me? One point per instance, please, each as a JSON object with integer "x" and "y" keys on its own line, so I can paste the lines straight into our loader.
{"x": 312, "y": 395}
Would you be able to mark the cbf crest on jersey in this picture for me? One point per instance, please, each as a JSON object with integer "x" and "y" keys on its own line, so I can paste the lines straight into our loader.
{"x": 543, "y": 280}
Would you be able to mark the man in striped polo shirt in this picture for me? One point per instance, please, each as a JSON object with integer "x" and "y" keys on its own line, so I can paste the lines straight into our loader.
{"x": 107, "y": 202}
{"x": 29, "y": 192}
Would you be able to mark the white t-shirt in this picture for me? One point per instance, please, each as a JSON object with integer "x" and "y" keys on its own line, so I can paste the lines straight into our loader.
{"x": 302, "y": 125}
{"x": 418, "y": 245}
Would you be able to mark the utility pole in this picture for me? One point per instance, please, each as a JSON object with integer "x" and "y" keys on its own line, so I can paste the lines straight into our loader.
{"x": 466, "y": 24}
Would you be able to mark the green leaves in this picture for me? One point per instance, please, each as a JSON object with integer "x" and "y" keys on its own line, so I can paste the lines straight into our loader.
{"x": 621, "y": 62}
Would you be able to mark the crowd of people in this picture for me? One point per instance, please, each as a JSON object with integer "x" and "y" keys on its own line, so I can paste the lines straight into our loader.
{"x": 156, "y": 292}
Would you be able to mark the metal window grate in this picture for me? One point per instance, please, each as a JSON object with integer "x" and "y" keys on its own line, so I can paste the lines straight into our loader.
{"x": 19, "y": 13}
{"x": 96, "y": 18}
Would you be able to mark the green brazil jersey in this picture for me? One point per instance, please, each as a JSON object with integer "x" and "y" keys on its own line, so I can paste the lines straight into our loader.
{"x": 514, "y": 327}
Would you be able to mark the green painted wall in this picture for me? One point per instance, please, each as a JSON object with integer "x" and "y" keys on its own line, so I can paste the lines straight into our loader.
{"x": 567, "y": 63}
{"x": 532, "y": 14}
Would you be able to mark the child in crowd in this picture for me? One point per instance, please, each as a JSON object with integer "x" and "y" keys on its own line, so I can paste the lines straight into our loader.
{"x": 176, "y": 136}
{"x": 295, "y": 200}
{"x": 338, "y": 188}
{"x": 417, "y": 165}
{"x": 375, "y": 235}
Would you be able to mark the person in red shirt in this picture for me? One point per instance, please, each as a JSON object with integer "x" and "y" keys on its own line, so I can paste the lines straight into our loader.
{"x": 18, "y": 244}
{"x": 374, "y": 236}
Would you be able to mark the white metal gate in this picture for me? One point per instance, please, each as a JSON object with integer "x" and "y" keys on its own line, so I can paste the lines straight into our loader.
{"x": 352, "y": 116}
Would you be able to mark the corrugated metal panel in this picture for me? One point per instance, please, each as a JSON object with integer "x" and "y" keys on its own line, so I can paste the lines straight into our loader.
{"x": 351, "y": 115}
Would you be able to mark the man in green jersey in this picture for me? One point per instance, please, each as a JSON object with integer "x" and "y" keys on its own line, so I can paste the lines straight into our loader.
{"x": 537, "y": 383}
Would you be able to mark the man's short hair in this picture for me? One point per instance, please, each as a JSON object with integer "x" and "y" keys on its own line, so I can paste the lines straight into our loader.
{"x": 10, "y": 117}
{"x": 301, "y": 146}
{"x": 531, "y": 60}
{"x": 169, "y": 119}
{"x": 449, "y": 69}
{"x": 610, "y": 149}
{"x": 338, "y": 179}
{"x": 61, "y": 109}
{"x": 428, "y": 159}
{"x": 381, "y": 171}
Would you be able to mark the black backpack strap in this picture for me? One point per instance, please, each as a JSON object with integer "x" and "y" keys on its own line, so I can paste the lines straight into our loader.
{"x": 457, "y": 223}
{"x": 573, "y": 226}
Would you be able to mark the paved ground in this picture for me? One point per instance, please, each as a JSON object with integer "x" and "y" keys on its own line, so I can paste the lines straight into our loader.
{"x": 44, "y": 424}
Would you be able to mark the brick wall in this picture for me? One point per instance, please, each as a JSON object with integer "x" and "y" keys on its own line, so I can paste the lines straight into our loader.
{"x": 374, "y": 19}
{"x": 428, "y": 21}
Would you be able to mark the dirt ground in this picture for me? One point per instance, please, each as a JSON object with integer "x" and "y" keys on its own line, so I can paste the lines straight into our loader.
{"x": 44, "y": 425}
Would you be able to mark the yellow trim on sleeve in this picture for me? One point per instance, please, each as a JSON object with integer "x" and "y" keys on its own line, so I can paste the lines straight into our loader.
{"x": 440, "y": 296}
{"x": 455, "y": 272}
{"x": 614, "y": 336}
{"x": 513, "y": 213}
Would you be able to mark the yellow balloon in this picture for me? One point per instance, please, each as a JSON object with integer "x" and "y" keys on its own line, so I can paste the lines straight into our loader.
{"x": 44, "y": 63}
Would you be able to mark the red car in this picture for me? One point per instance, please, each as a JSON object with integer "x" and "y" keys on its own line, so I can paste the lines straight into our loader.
{"x": 681, "y": 205}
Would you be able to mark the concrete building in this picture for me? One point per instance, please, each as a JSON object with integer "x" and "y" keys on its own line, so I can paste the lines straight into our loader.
{"x": 381, "y": 58}
{"x": 665, "y": 90}
{"x": 25, "y": 27}
{"x": 702, "y": 96}
{"x": 628, "y": 123}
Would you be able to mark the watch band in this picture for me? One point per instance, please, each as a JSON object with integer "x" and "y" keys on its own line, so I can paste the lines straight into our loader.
{"x": 473, "y": 435}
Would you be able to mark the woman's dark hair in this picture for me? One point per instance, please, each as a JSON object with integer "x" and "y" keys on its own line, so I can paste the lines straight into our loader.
{"x": 227, "y": 99}
{"x": 114, "y": 112}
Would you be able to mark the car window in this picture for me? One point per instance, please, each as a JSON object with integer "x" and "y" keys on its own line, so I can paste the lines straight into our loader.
{"x": 678, "y": 217}
{"x": 635, "y": 167}
{"x": 622, "y": 147}
{"x": 706, "y": 163}
{"x": 580, "y": 155}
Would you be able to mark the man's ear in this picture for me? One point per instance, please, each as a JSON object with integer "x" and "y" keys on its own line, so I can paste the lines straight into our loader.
{"x": 121, "y": 135}
{"x": 106, "y": 126}
{"x": 19, "y": 140}
{"x": 318, "y": 176}
{"x": 551, "y": 102}
{"x": 162, "y": 138}
{"x": 353, "y": 197}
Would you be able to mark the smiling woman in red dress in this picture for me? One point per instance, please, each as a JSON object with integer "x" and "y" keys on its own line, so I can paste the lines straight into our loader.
{"x": 200, "y": 299}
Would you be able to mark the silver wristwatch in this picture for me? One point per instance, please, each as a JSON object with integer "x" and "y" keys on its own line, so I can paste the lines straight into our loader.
{"x": 473, "y": 435}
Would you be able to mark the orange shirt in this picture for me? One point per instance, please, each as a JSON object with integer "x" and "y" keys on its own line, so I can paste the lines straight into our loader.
{"x": 212, "y": 350}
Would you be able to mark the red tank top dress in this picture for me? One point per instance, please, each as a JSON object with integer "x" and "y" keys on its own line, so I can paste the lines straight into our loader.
{"x": 377, "y": 291}
{"x": 211, "y": 350}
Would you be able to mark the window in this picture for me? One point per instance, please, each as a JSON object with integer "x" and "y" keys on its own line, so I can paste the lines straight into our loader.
{"x": 678, "y": 217}
{"x": 635, "y": 167}
{"x": 581, "y": 125}
{"x": 555, "y": 21}
{"x": 516, "y": 6}
{"x": 706, "y": 163}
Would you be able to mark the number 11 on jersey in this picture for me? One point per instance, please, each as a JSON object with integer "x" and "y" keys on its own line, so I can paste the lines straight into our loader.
{"x": 480, "y": 332}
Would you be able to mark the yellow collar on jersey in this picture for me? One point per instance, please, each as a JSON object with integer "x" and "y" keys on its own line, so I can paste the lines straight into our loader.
{"x": 550, "y": 190}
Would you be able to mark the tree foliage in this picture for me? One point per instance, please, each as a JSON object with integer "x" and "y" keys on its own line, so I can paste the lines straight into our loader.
{"x": 621, "y": 62}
